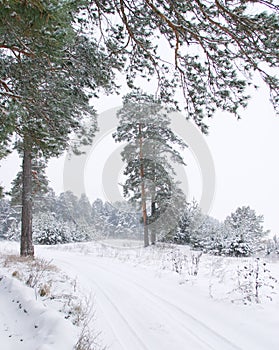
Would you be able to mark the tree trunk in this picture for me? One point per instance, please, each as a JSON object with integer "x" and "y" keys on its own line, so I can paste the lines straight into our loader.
{"x": 153, "y": 204}
{"x": 26, "y": 247}
{"x": 153, "y": 213}
{"x": 143, "y": 195}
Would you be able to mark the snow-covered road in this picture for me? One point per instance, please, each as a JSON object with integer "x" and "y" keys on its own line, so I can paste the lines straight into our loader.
{"x": 139, "y": 308}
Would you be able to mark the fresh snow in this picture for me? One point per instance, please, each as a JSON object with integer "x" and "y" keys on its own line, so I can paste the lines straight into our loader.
{"x": 26, "y": 323}
{"x": 146, "y": 299}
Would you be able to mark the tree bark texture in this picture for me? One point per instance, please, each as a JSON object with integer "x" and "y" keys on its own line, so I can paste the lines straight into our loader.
{"x": 26, "y": 246}
{"x": 153, "y": 213}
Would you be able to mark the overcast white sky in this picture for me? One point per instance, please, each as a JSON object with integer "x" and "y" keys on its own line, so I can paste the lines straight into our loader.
{"x": 244, "y": 154}
{"x": 246, "y": 161}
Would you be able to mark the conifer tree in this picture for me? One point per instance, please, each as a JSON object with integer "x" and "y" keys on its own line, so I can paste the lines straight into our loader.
{"x": 144, "y": 124}
{"x": 48, "y": 73}
{"x": 209, "y": 49}
{"x": 246, "y": 232}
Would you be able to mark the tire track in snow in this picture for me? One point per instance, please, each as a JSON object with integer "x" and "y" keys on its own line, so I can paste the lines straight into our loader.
{"x": 136, "y": 340}
{"x": 205, "y": 337}
{"x": 129, "y": 327}
{"x": 227, "y": 344}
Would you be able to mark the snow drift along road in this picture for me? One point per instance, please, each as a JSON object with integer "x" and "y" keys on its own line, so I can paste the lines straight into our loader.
{"x": 26, "y": 324}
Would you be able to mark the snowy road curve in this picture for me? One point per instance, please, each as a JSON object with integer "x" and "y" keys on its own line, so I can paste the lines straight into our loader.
{"x": 139, "y": 309}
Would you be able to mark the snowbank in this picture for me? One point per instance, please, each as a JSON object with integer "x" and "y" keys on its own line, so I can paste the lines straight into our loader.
{"x": 26, "y": 323}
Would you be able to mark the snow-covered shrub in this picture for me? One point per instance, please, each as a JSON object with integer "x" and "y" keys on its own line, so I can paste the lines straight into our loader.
{"x": 178, "y": 260}
{"x": 85, "y": 313}
{"x": 13, "y": 231}
{"x": 188, "y": 224}
{"x": 254, "y": 277}
{"x": 47, "y": 229}
{"x": 184, "y": 264}
{"x": 200, "y": 231}
{"x": 237, "y": 248}
{"x": 246, "y": 232}
{"x": 209, "y": 237}
{"x": 272, "y": 246}
{"x": 9, "y": 220}
{"x": 194, "y": 265}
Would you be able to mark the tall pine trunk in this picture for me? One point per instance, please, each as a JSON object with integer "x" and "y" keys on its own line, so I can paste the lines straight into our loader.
{"x": 153, "y": 204}
{"x": 143, "y": 194}
{"x": 26, "y": 244}
{"x": 153, "y": 213}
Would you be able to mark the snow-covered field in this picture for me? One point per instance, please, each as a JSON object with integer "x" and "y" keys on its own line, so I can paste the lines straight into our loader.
{"x": 164, "y": 297}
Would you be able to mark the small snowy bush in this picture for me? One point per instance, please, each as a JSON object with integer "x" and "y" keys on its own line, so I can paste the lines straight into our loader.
{"x": 237, "y": 248}
{"x": 272, "y": 246}
{"x": 246, "y": 232}
{"x": 255, "y": 281}
{"x": 183, "y": 263}
{"x": 48, "y": 230}
{"x": 13, "y": 232}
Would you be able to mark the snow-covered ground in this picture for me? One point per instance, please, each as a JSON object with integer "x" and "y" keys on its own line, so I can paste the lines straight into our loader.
{"x": 163, "y": 297}
{"x": 27, "y": 324}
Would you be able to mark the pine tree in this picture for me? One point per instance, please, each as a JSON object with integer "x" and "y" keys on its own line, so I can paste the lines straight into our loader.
{"x": 48, "y": 202}
{"x": 200, "y": 231}
{"x": 208, "y": 49}
{"x": 8, "y": 217}
{"x": 126, "y": 220}
{"x": 145, "y": 126}
{"x": 48, "y": 74}
{"x": 83, "y": 211}
{"x": 246, "y": 232}
{"x": 189, "y": 221}
{"x": 66, "y": 206}
{"x": 98, "y": 217}
{"x": 209, "y": 43}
